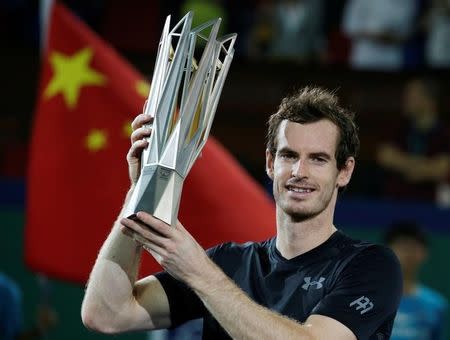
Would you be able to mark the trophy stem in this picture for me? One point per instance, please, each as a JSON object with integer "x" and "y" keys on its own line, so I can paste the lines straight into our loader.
{"x": 158, "y": 190}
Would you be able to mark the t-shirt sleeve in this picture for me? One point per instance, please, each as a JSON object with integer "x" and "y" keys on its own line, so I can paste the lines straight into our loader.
{"x": 367, "y": 292}
{"x": 184, "y": 304}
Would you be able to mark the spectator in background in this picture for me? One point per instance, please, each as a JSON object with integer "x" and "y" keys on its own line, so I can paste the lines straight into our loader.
{"x": 416, "y": 157}
{"x": 298, "y": 30}
{"x": 11, "y": 317}
{"x": 11, "y": 314}
{"x": 422, "y": 311}
{"x": 261, "y": 34}
{"x": 437, "y": 50}
{"x": 378, "y": 30}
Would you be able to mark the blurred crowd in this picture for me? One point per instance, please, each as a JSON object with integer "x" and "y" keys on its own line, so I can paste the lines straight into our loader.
{"x": 375, "y": 35}
{"x": 412, "y": 154}
{"x": 365, "y": 34}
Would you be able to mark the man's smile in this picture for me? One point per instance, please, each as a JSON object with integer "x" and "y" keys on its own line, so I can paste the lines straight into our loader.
{"x": 300, "y": 190}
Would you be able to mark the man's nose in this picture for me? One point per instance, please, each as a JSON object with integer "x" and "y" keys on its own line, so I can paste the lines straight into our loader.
{"x": 299, "y": 169}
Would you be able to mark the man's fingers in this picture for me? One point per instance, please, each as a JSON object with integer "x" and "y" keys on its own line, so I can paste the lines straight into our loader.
{"x": 156, "y": 251}
{"x": 141, "y": 120}
{"x": 155, "y": 224}
{"x": 136, "y": 148}
{"x": 140, "y": 133}
{"x": 146, "y": 233}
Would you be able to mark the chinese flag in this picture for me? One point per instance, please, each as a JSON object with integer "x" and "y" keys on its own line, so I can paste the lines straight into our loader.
{"x": 78, "y": 176}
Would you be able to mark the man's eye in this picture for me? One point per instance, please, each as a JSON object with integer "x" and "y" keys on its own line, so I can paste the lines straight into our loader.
{"x": 287, "y": 156}
{"x": 319, "y": 159}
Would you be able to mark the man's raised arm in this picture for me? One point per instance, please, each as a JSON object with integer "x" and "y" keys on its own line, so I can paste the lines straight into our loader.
{"x": 114, "y": 301}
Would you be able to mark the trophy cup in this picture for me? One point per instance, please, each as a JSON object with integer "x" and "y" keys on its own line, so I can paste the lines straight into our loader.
{"x": 183, "y": 99}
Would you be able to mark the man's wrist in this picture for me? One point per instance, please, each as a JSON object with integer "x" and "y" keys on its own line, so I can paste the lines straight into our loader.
{"x": 211, "y": 277}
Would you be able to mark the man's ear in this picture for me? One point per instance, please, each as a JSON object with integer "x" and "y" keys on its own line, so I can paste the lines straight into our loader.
{"x": 345, "y": 174}
{"x": 269, "y": 164}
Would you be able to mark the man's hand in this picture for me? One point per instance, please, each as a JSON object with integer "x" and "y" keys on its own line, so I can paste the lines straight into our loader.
{"x": 173, "y": 247}
{"x": 138, "y": 143}
{"x": 413, "y": 167}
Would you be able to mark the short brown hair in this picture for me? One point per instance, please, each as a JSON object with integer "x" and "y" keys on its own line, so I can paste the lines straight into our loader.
{"x": 309, "y": 105}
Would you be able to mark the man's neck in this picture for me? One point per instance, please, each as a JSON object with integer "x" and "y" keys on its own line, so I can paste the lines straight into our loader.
{"x": 296, "y": 238}
{"x": 409, "y": 283}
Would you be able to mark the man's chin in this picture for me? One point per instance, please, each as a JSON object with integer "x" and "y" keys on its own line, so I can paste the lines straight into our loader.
{"x": 301, "y": 215}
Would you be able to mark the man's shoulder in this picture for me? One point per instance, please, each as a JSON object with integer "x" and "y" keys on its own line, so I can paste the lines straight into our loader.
{"x": 364, "y": 290}
{"x": 236, "y": 248}
{"x": 360, "y": 251}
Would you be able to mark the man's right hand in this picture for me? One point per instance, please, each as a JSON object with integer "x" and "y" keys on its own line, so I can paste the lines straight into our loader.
{"x": 139, "y": 142}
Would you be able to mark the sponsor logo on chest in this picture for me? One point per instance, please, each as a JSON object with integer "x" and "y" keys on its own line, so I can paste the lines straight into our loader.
{"x": 309, "y": 283}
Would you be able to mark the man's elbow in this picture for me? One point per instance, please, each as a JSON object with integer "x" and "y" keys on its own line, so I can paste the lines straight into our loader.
{"x": 97, "y": 320}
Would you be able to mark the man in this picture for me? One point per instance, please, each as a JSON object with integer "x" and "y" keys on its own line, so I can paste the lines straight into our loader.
{"x": 416, "y": 158}
{"x": 378, "y": 31}
{"x": 309, "y": 282}
{"x": 437, "y": 50}
{"x": 12, "y": 316}
{"x": 422, "y": 310}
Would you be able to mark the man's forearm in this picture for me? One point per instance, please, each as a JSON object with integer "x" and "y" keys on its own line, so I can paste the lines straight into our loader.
{"x": 121, "y": 249}
{"x": 110, "y": 286}
{"x": 241, "y": 317}
{"x": 435, "y": 168}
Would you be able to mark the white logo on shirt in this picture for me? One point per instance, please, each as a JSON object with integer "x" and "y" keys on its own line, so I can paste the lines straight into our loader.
{"x": 308, "y": 283}
{"x": 362, "y": 303}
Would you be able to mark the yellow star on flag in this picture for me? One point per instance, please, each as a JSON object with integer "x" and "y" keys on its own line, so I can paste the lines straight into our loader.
{"x": 96, "y": 140}
{"x": 70, "y": 73}
{"x": 143, "y": 88}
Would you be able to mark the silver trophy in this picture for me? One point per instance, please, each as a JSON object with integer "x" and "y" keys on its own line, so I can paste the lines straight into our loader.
{"x": 183, "y": 99}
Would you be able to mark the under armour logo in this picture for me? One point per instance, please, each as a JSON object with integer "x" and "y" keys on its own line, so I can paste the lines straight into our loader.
{"x": 362, "y": 303}
{"x": 309, "y": 283}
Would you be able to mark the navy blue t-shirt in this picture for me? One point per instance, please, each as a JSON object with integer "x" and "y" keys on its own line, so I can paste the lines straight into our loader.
{"x": 354, "y": 282}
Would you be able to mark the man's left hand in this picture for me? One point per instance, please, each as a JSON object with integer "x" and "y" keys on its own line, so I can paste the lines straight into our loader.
{"x": 172, "y": 246}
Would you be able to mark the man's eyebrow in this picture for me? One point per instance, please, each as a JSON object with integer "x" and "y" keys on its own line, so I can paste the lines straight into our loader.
{"x": 285, "y": 149}
{"x": 320, "y": 154}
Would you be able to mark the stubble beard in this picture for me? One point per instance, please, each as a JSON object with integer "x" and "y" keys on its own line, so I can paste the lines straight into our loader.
{"x": 301, "y": 214}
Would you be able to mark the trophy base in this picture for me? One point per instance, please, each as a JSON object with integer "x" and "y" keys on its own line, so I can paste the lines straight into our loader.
{"x": 157, "y": 192}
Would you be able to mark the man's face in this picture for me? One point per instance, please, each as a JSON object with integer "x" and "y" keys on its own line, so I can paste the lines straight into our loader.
{"x": 415, "y": 99}
{"x": 304, "y": 172}
{"x": 411, "y": 254}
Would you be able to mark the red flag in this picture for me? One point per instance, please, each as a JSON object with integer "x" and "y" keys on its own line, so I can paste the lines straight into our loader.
{"x": 78, "y": 177}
